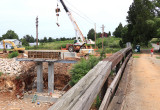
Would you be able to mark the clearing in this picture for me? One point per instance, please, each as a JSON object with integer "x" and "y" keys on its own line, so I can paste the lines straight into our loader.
{"x": 143, "y": 88}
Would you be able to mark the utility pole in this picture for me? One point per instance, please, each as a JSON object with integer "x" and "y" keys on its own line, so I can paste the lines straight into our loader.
{"x": 37, "y": 31}
{"x": 95, "y": 35}
{"x": 102, "y": 35}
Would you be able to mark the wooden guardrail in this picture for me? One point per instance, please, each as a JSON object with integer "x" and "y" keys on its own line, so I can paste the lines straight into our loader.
{"x": 82, "y": 95}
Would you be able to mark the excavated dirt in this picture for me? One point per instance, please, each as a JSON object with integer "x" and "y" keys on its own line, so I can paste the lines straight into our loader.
{"x": 143, "y": 89}
{"x": 19, "y": 77}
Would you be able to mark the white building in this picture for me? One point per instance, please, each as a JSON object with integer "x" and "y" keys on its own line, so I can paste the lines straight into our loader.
{"x": 33, "y": 44}
{"x": 8, "y": 45}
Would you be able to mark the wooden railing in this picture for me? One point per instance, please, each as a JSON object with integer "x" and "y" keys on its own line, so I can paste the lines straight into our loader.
{"x": 82, "y": 95}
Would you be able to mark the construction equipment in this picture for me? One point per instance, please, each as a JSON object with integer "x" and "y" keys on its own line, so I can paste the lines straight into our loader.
{"x": 78, "y": 43}
{"x": 14, "y": 47}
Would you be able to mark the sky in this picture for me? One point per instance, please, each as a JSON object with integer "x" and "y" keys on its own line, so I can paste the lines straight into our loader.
{"x": 20, "y": 15}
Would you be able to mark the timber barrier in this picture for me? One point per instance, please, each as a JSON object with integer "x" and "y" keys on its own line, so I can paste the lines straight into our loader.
{"x": 82, "y": 95}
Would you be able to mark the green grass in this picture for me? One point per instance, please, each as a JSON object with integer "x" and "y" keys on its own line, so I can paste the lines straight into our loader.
{"x": 13, "y": 54}
{"x": 158, "y": 57}
{"x": 51, "y": 45}
{"x": 1, "y": 73}
{"x": 111, "y": 45}
{"x": 135, "y": 56}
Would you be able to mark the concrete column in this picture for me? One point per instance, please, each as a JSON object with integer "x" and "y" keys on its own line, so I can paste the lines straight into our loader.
{"x": 50, "y": 77}
{"x": 40, "y": 77}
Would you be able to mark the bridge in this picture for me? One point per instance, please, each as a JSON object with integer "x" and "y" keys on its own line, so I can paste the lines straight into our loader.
{"x": 94, "y": 83}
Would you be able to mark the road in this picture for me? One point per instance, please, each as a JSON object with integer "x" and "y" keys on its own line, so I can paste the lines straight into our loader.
{"x": 143, "y": 91}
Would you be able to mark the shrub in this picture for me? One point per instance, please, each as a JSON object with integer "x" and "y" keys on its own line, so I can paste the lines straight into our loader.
{"x": 82, "y": 68}
{"x": 1, "y": 73}
{"x": 13, "y": 54}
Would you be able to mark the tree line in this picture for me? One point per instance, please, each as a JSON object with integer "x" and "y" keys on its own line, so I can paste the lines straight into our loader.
{"x": 143, "y": 23}
{"x": 10, "y": 34}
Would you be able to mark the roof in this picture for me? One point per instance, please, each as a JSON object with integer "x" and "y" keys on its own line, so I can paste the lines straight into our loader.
{"x": 11, "y": 39}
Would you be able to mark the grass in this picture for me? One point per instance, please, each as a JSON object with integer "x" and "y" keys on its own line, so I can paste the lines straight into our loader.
{"x": 135, "y": 56}
{"x": 111, "y": 45}
{"x": 158, "y": 57}
{"x": 51, "y": 45}
{"x": 1, "y": 73}
{"x": 13, "y": 54}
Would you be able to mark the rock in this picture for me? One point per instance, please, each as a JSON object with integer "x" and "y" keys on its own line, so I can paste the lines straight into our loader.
{"x": 18, "y": 96}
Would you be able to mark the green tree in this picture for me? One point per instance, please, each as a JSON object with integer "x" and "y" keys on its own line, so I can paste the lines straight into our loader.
{"x": 118, "y": 31}
{"x": 24, "y": 42}
{"x": 45, "y": 39}
{"x": 109, "y": 34}
{"x": 50, "y": 39}
{"x": 91, "y": 34}
{"x": 139, "y": 29}
{"x": 1, "y": 38}
{"x": 10, "y": 35}
{"x": 29, "y": 38}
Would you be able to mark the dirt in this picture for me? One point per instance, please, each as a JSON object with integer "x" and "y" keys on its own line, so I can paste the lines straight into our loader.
{"x": 143, "y": 88}
{"x": 8, "y": 102}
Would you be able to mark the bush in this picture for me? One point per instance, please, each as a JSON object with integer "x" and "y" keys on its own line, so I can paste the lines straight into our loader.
{"x": 13, "y": 54}
{"x": 1, "y": 73}
{"x": 82, "y": 68}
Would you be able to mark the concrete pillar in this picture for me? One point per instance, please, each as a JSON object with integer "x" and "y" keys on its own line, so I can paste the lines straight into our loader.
{"x": 39, "y": 77}
{"x": 50, "y": 77}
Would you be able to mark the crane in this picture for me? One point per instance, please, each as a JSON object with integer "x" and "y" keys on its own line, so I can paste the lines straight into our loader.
{"x": 77, "y": 43}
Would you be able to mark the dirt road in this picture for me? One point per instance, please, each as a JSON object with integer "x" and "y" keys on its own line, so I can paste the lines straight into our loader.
{"x": 144, "y": 87}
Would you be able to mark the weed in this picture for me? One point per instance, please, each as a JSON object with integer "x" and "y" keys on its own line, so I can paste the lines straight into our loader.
{"x": 13, "y": 54}
{"x": 1, "y": 73}
{"x": 82, "y": 68}
{"x": 135, "y": 56}
{"x": 158, "y": 57}
{"x": 98, "y": 102}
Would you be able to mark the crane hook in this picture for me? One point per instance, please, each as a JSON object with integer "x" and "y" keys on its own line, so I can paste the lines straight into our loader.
{"x": 57, "y": 14}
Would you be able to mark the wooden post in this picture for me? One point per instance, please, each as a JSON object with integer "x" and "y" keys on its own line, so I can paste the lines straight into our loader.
{"x": 102, "y": 35}
{"x": 37, "y": 31}
{"x": 95, "y": 35}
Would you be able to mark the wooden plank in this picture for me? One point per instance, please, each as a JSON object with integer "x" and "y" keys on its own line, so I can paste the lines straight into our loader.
{"x": 76, "y": 91}
{"x": 113, "y": 85}
{"x": 87, "y": 99}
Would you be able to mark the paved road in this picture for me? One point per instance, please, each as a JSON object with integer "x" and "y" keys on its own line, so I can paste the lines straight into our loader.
{"x": 143, "y": 91}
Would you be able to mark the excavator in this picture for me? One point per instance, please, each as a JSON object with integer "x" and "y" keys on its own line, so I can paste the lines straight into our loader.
{"x": 78, "y": 43}
{"x": 14, "y": 47}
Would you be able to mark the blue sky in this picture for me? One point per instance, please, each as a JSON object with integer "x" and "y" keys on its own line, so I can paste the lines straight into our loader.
{"x": 20, "y": 15}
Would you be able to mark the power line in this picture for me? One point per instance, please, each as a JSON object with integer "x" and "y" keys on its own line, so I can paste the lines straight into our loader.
{"x": 80, "y": 12}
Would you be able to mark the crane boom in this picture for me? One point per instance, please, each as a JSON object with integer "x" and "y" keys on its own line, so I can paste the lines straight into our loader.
{"x": 78, "y": 31}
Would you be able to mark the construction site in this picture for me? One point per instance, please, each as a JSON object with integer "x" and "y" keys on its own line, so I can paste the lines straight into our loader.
{"x": 95, "y": 71}
{"x": 18, "y": 81}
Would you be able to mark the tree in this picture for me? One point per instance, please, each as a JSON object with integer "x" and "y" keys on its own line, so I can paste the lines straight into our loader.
{"x": 50, "y": 39}
{"x": 109, "y": 34}
{"x": 1, "y": 38}
{"x": 45, "y": 39}
{"x": 91, "y": 34}
{"x": 139, "y": 30}
{"x": 29, "y": 38}
{"x": 10, "y": 35}
{"x": 24, "y": 42}
{"x": 118, "y": 31}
